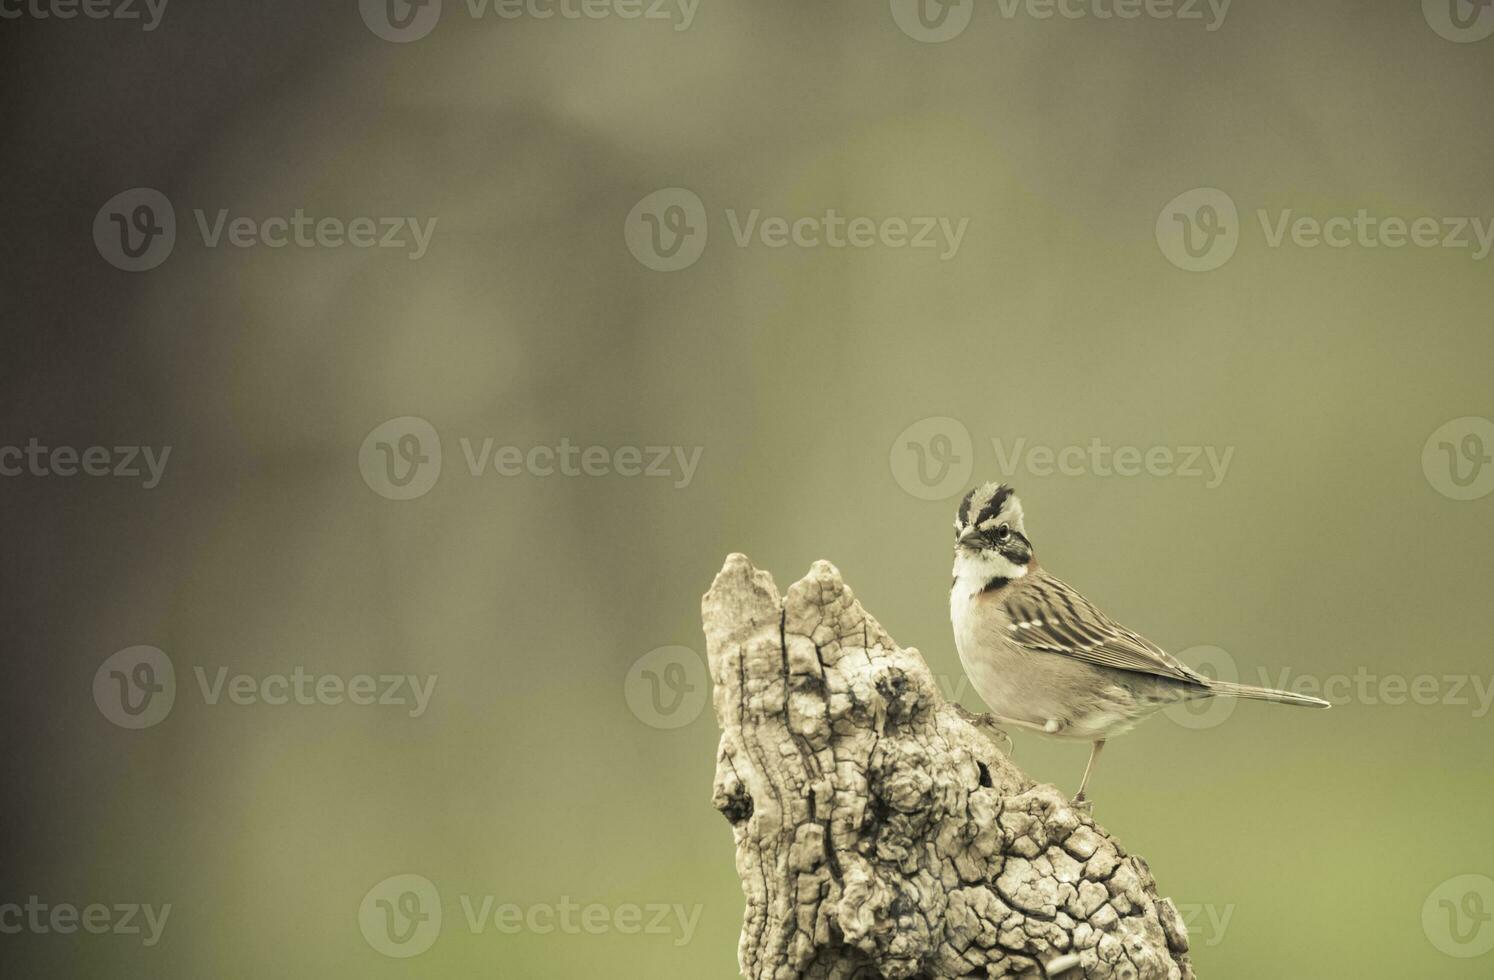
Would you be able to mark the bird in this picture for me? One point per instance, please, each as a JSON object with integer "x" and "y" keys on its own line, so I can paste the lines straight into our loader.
{"x": 1046, "y": 659}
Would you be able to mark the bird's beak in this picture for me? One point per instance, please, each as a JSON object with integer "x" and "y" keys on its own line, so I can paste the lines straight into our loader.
{"x": 970, "y": 537}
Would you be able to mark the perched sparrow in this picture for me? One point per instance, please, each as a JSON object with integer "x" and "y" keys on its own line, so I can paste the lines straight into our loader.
{"x": 1042, "y": 656}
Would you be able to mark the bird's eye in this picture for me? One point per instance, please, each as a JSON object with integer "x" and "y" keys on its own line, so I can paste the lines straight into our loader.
{"x": 1003, "y": 532}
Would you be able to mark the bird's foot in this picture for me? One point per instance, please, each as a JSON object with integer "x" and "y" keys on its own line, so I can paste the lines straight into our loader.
{"x": 1080, "y": 803}
{"x": 988, "y": 727}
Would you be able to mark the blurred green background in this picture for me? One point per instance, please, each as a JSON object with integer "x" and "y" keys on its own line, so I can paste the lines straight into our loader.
{"x": 1306, "y": 843}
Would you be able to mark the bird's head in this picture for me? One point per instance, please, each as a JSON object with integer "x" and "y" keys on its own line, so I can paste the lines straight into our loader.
{"x": 989, "y": 527}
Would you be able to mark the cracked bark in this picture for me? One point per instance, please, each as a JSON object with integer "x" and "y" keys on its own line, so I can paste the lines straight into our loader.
{"x": 880, "y": 832}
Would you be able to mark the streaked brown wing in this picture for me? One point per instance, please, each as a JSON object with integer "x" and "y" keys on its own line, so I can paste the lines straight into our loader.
{"x": 1047, "y": 615}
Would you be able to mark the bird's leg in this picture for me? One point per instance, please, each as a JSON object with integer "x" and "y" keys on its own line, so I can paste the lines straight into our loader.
{"x": 1094, "y": 753}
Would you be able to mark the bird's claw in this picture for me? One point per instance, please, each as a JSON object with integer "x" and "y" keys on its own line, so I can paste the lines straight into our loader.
{"x": 987, "y": 726}
{"x": 1080, "y": 803}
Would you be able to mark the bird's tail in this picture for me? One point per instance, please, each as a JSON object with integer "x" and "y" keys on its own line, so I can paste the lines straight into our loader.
{"x": 1266, "y": 694}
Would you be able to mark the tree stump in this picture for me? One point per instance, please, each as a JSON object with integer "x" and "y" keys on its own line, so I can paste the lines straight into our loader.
{"x": 880, "y": 832}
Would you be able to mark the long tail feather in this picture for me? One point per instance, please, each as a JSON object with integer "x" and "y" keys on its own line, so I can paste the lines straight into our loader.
{"x": 1266, "y": 694}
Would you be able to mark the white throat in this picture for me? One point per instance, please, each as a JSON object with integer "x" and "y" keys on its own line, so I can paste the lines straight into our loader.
{"x": 973, "y": 569}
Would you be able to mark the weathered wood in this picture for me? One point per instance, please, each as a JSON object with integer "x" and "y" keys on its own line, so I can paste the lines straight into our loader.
{"x": 880, "y": 832}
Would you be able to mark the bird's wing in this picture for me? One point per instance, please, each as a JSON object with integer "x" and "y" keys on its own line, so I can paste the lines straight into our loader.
{"x": 1047, "y": 615}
